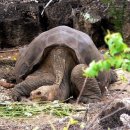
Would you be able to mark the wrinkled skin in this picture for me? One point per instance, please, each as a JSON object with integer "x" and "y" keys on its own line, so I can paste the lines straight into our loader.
{"x": 56, "y": 72}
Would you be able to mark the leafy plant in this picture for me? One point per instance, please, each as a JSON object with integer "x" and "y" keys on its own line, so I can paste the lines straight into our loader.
{"x": 118, "y": 56}
{"x": 71, "y": 122}
{"x": 10, "y": 110}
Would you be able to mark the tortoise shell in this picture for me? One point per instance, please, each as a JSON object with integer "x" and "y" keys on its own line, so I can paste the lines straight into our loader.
{"x": 83, "y": 46}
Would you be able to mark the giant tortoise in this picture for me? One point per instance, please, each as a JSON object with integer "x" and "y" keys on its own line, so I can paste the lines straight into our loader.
{"x": 51, "y": 67}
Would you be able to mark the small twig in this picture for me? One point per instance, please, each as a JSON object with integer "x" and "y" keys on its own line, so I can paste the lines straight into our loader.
{"x": 109, "y": 103}
{"x": 68, "y": 99}
{"x": 9, "y": 51}
{"x": 107, "y": 7}
{"x": 46, "y": 6}
{"x": 81, "y": 90}
{"x": 52, "y": 126}
{"x": 78, "y": 110}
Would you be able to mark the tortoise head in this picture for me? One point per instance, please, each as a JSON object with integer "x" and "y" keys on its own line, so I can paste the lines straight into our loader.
{"x": 43, "y": 93}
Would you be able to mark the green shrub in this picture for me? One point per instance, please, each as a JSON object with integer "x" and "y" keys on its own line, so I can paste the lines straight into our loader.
{"x": 118, "y": 56}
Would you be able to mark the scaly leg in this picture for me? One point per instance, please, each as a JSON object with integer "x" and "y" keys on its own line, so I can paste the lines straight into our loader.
{"x": 91, "y": 92}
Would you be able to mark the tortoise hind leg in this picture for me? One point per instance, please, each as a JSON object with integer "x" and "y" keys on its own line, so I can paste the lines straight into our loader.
{"x": 113, "y": 76}
{"x": 91, "y": 92}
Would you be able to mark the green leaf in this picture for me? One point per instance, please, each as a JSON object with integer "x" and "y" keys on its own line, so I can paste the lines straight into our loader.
{"x": 128, "y": 68}
{"x": 124, "y": 66}
{"x": 106, "y": 65}
{"x": 118, "y": 56}
{"x": 99, "y": 65}
{"x": 65, "y": 128}
{"x": 90, "y": 72}
{"x": 118, "y": 63}
{"x": 73, "y": 122}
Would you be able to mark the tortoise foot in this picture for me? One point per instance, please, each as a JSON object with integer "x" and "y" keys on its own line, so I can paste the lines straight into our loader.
{"x": 16, "y": 96}
{"x": 90, "y": 99}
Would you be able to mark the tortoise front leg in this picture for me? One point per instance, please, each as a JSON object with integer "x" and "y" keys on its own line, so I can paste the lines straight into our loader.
{"x": 91, "y": 92}
{"x": 29, "y": 84}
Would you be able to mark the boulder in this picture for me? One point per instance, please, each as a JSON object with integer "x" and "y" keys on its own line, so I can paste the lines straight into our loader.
{"x": 21, "y": 20}
{"x": 19, "y": 23}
